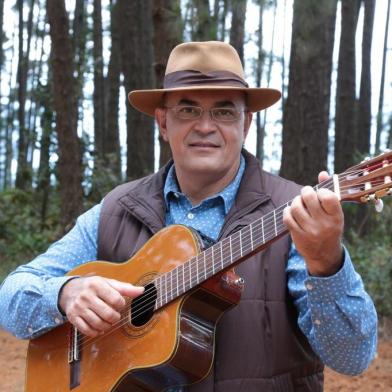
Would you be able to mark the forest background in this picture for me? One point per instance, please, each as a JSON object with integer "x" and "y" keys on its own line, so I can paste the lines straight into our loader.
{"x": 68, "y": 135}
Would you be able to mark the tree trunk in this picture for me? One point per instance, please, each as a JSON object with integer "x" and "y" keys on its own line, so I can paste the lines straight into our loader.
{"x": 382, "y": 84}
{"x": 111, "y": 147}
{"x": 205, "y": 30}
{"x": 10, "y": 111}
{"x": 167, "y": 34}
{"x": 221, "y": 27}
{"x": 283, "y": 62}
{"x": 306, "y": 115}
{"x": 99, "y": 90}
{"x": 100, "y": 173}
{"x": 137, "y": 62}
{"x": 345, "y": 132}
{"x": 35, "y": 83}
{"x": 364, "y": 104}
{"x": 79, "y": 28}
{"x": 65, "y": 105}
{"x": 259, "y": 72}
{"x": 44, "y": 168}
{"x": 237, "y": 31}
{"x": 269, "y": 73}
{"x": 23, "y": 174}
{"x": 2, "y": 136}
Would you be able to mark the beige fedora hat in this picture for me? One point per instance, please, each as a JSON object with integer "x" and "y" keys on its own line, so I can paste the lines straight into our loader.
{"x": 210, "y": 65}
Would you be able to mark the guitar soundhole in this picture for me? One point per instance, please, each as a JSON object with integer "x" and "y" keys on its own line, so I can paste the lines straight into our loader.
{"x": 143, "y": 306}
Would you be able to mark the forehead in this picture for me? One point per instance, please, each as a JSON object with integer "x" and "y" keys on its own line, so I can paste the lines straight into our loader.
{"x": 206, "y": 97}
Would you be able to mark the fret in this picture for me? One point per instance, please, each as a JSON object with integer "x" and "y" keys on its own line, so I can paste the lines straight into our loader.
{"x": 248, "y": 243}
{"x": 169, "y": 277}
{"x": 158, "y": 302}
{"x": 165, "y": 288}
{"x": 276, "y": 230}
{"x": 183, "y": 277}
{"x": 251, "y": 236}
{"x": 177, "y": 279}
{"x": 205, "y": 265}
{"x": 240, "y": 242}
{"x": 221, "y": 257}
{"x": 213, "y": 261}
{"x": 231, "y": 251}
{"x": 197, "y": 270}
{"x": 190, "y": 273}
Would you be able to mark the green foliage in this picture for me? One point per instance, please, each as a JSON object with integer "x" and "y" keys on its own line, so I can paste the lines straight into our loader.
{"x": 371, "y": 253}
{"x": 23, "y": 234}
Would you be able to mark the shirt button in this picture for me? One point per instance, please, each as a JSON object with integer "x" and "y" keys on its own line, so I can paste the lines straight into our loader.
{"x": 190, "y": 215}
{"x": 317, "y": 322}
{"x": 176, "y": 195}
{"x": 57, "y": 320}
{"x": 309, "y": 286}
{"x": 30, "y": 330}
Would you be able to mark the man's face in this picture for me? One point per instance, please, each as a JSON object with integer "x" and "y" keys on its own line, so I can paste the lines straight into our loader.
{"x": 204, "y": 146}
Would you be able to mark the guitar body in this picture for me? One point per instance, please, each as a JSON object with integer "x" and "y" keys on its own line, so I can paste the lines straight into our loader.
{"x": 174, "y": 347}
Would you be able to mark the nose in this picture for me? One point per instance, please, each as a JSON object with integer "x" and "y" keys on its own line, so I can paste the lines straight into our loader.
{"x": 205, "y": 123}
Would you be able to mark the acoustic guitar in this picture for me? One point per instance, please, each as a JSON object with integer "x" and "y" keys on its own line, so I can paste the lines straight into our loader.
{"x": 165, "y": 337}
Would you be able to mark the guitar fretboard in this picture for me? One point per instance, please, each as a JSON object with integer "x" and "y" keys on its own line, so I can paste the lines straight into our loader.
{"x": 222, "y": 255}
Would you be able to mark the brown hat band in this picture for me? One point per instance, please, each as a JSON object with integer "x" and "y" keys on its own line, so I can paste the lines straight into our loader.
{"x": 196, "y": 78}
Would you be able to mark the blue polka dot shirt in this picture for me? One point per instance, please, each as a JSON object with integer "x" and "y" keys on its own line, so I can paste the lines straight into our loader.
{"x": 335, "y": 313}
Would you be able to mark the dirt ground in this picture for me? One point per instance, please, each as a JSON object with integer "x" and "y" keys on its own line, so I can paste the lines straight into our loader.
{"x": 377, "y": 378}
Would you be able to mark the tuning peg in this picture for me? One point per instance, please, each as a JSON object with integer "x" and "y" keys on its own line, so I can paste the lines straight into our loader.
{"x": 378, "y": 205}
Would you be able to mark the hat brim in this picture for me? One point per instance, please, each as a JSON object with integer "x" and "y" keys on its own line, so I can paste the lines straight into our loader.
{"x": 146, "y": 101}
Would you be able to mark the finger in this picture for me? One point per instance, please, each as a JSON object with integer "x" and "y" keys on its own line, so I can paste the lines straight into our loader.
{"x": 323, "y": 176}
{"x": 84, "y": 328}
{"x": 94, "y": 321}
{"x": 289, "y": 221}
{"x": 104, "y": 311}
{"x": 299, "y": 213}
{"x": 98, "y": 287}
{"x": 329, "y": 202}
{"x": 126, "y": 289}
{"x": 311, "y": 201}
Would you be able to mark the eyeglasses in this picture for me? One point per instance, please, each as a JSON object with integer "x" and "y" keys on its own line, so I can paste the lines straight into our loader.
{"x": 188, "y": 112}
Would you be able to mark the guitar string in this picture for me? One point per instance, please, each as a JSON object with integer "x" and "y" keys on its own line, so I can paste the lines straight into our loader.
{"x": 147, "y": 301}
{"x": 192, "y": 260}
{"x": 141, "y": 310}
{"x": 195, "y": 259}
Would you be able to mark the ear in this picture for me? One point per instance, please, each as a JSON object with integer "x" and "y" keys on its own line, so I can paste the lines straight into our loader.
{"x": 160, "y": 117}
{"x": 247, "y": 122}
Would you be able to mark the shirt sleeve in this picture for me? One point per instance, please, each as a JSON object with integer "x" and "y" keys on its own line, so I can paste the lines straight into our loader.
{"x": 29, "y": 295}
{"x": 335, "y": 313}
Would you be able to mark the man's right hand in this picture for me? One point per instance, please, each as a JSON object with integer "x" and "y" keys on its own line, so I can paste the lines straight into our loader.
{"x": 93, "y": 303}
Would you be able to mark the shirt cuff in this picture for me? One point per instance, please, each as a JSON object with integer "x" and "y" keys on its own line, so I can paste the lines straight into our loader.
{"x": 52, "y": 290}
{"x": 332, "y": 288}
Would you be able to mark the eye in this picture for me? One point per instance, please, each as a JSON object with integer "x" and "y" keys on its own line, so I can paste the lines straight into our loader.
{"x": 225, "y": 114}
{"x": 189, "y": 111}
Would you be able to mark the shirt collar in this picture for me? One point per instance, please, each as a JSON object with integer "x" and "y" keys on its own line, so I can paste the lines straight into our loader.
{"x": 228, "y": 194}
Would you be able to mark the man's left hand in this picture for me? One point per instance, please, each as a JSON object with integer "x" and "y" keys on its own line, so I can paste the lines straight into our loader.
{"x": 315, "y": 221}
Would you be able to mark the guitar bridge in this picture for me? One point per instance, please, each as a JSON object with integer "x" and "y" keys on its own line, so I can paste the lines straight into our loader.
{"x": 74, "y": 355}
{"x": 74, "y": 347}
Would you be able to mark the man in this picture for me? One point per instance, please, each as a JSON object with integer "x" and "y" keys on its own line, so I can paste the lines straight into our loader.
{"x": 303, "y": 303}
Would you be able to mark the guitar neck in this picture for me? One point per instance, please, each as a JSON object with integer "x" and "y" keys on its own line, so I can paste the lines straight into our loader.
{"x": 224, "y": 254}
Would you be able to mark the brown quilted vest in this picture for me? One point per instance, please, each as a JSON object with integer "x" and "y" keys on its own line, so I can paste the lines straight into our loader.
{"x": 259, "y": 346}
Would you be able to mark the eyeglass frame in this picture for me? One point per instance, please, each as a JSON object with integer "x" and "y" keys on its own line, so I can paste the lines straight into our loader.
{"x": 211, "y": 112}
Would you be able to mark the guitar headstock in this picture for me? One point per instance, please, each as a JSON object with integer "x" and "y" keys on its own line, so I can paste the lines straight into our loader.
{"x": 368, "y": 181}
